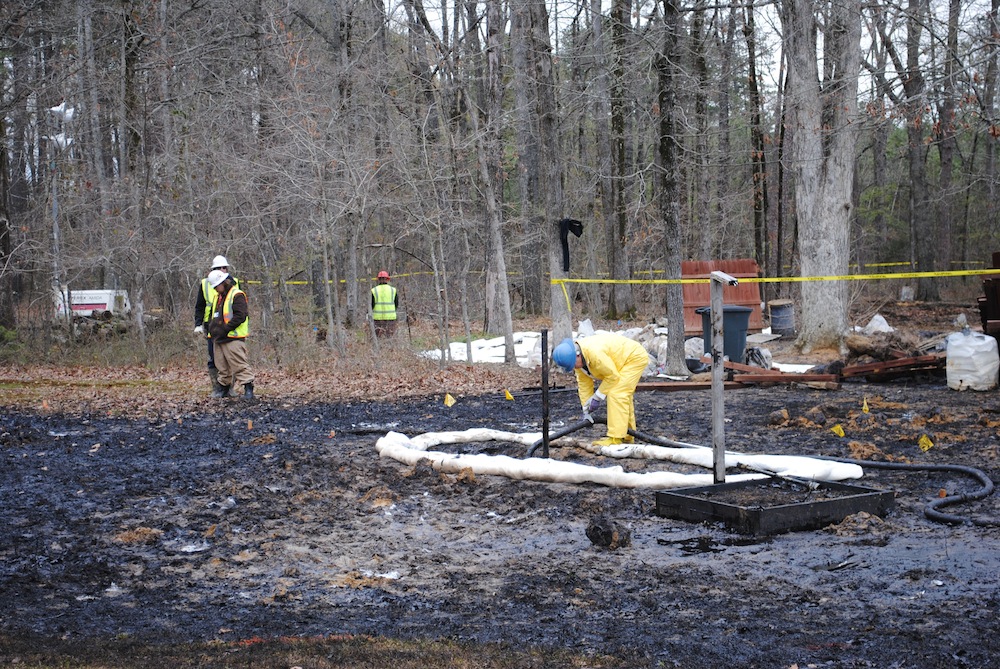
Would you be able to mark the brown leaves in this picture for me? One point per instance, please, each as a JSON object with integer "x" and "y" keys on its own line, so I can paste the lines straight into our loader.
{"x": 172, "y": 393}
{"x": 139, "y": 535}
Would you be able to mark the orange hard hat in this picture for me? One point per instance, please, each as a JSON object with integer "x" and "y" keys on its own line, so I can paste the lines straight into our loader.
{"x": 383, "y": 275}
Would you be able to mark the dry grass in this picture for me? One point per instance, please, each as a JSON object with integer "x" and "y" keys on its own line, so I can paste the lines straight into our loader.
{"x": 165, "y": 375}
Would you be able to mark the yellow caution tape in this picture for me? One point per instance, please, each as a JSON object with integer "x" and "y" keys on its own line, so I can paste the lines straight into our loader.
{"x": 790, "y": 279}
{"x": 569, "y": 305}
{"x": 506, "y": 393}
{"x": 837, "y": 430}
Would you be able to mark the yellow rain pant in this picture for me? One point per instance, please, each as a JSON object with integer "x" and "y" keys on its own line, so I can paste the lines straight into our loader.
{"x": 618, "y": 363}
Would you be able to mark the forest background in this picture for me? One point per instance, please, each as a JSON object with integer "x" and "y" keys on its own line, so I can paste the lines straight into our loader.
{"x": 315, "y": 143}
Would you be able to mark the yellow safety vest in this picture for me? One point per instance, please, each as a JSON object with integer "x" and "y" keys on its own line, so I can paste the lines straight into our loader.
{"x": 385, "y": 302}
{"x": 211, "y": 297}
{"x": 243, "y": 329}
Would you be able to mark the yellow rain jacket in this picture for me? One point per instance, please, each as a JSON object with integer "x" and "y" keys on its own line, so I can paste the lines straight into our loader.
{"x": 617, "y": 363}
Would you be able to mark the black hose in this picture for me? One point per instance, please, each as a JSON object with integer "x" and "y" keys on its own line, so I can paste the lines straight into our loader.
{"x": 551, "y": 391}
{"x": 930, "y": 511}
{"x": 660, "y": 441}
{"x": 569, "y": 429}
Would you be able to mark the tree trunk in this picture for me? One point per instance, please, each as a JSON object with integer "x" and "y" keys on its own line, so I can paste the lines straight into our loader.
{"x": 92, "y": 118}
{"x": 607, "y": 184}
{"x": 723, "y": 176}
{"x": 823, "y": 116}
{"x": 921, "y": 208}
{"x": 535, "y": 232}
{"x": 7, "y": 276}
{"x": 989, "y": 100}
{"x": 758, "y": 151}
{"x": 356, "y": 299}
{"x": 947, "y": 143}
{"x": 488, "y": 143}
{"x": 538, "y": 131}
{"x": 334, "y": 334}
{"x": 128, "y": 116}
{"x": 551, "y": 162}
{"x": 620, "y": 303}
{"x": 668, "y": 191}
{"x": 701, "y": 199}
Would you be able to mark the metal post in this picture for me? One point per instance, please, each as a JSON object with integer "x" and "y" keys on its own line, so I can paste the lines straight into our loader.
{"x": 545, "y": 392}
{"x": 718, "y": 280}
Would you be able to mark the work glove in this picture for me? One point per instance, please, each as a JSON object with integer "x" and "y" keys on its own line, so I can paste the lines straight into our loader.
{"x": 587, "y": 415}
{"x": 199, "y": 329}
{"x": 595, "y": 402}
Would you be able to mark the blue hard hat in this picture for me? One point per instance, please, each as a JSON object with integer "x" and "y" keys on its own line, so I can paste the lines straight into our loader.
{"x": 564, "y": 355}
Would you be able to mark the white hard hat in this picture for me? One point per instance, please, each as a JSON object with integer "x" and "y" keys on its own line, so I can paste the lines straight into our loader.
{"x": 219, "y": 261}
{"x": 217, "y": 276}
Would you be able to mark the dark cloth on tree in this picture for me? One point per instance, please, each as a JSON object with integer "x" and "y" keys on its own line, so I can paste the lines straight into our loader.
{"x": 566, "y": 226}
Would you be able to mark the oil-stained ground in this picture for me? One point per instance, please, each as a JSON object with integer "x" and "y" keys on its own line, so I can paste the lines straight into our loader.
{"x": 269, "y": 519}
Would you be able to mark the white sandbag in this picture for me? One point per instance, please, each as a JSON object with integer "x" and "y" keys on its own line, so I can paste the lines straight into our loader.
{"x": 973, "y": 362}
{"x": 410, "y": 450}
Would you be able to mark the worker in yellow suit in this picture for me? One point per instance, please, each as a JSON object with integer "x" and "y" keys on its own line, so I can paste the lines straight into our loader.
{"x": 608, "y": 368}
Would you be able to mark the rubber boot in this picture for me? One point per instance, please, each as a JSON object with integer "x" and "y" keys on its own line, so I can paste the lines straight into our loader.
{"x": 248, "y": 391}
{"x": 216, "y": 386}
{"x": 226, "y": 391}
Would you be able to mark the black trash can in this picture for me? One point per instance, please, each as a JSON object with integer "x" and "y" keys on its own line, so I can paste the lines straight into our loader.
{"x": 735, "y": 321}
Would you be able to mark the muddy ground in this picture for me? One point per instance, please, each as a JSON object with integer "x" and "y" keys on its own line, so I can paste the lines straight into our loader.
{"x": 278, "y": 518}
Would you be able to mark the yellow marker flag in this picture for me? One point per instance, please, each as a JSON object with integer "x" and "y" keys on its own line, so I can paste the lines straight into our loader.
{"x": 448, "y": 400}
{"x": 506, "y": 393}
{"x": 837, "y": 430}
{"x": 925, "y": 443}
{"x": 864, "y": 406}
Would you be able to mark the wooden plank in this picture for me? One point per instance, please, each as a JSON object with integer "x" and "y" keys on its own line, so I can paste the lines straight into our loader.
{"x": 740, "y": 367}
{"x": 821, "y": 385}
{"x": 671, "y": 386}
{"x": 991, "y": 288}
{"x": 888, "y": 375}
{"x": 785, "y": 378}
{"x": 876, "y": 367}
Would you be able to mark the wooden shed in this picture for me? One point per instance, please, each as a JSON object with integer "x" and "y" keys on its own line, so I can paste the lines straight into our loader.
{"x": 697, "y": 295}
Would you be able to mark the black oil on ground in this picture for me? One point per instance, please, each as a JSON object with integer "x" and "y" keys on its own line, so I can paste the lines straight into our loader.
{"x": 272, "y": 520}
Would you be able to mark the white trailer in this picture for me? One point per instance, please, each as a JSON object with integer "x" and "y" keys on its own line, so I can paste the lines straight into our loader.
{"x": 92, "y": 303}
